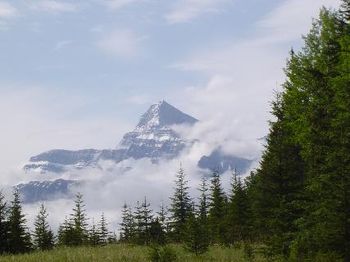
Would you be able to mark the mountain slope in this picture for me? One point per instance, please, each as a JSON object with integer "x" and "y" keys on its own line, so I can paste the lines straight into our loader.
{"x": 153, "y": 138}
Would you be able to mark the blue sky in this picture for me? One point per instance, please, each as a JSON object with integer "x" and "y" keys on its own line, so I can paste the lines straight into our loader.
{"x": 76, "y": 74}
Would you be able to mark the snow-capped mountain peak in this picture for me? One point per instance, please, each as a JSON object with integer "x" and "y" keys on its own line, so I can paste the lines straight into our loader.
{"x": 163, "y": 114}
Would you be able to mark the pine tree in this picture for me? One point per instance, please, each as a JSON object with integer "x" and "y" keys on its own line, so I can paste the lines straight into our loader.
{"x": 203, "y": 201}
{"x": 156, "y": 233}
{"x": 103, "y": 230}
{"x": 163, "y": 218}
{"x": 43, "y": 238}
{"x": 66, "y": 233}
{"x": 3, "y": 225}
{"x": 180, "y": 208}
{"x": 196, "y": 239}
{"x": 238, "y": 212}
{"x": 127, "y": 226}
{"x": 217, "y": 210}
{"x": 143, "y": 218}
{"x": 79, "y": 222}
{"x": 345, "y": 11}
{"x": 94, "y": 235}
{"x": 19, "y": 237}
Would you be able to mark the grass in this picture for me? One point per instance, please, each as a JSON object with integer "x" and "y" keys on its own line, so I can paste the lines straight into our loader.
{"x": 124, "y": 253}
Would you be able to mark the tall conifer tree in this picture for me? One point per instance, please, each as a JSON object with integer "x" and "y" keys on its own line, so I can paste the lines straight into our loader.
{"x": 19, "y": 237}
{"x": 181, "y": 207}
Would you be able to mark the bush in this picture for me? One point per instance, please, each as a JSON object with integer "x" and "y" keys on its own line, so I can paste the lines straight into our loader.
{"x": 162, "y": 254}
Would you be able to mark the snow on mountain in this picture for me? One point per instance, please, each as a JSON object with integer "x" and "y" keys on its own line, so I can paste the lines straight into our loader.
{"x": 152, "y": 138}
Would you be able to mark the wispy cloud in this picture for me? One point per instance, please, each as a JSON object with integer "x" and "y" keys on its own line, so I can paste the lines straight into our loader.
{"x": 122, "y": 43}
{"x": 187, "y": 10}
{"x": 54, "y": 6}
{"x": 291, "y": 19}
{"x": 7, "y": 10}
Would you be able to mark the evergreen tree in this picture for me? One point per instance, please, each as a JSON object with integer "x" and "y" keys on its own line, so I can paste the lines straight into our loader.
{"x": 238, "y": 213}
{"x": 43, "y": 238}
{"x": 280, "y": 186}
{"x": 196, "y": 239}
{"x": 94, "y": 235}
{"x": 143, "y": 218}
{"x": 345, "y": 11}
{"x": 180, "y": 208}
{"x": 203, "y": 201}
{"x": 66, "y": 233}
{"x": 103, "y": 230}
{"x": 127, "y": 226}
{"x": 3, "y": 225}
{"x": 79, "y": 222}
{"x": 217, "y": 210}
{"x": 157, "y": 234}
{"x": 19, "y": 237}
{"x": 163, "y": 218}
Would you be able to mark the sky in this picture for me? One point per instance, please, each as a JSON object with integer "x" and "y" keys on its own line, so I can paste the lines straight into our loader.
{"x": 78, "y": 74}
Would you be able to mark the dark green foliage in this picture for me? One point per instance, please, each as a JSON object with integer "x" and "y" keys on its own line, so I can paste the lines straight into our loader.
{"x": 18, "y": 235}
{"x": 181, "y": 207}
{"x": 345, "y": 11}
{"x": 43, "y": 238}
{"x": 157, "y": 233}
{"x": 238, "y": 213}
{"x": 94, "y": 235}
{"x": 127, "y": 226}
{"x": 143, "y": 219}
{"x": 74, "y": 232}
{"x": 103, "y": 230}
{"x": 3, "y": 225}
{"x": 203, "y": 206}
{"x": 197, "y": 238}
{"x": 217, "y": 211}
{"x": 162, "y": 254}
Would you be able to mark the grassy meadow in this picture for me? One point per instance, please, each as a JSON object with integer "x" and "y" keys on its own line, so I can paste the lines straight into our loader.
{"x": 124, "y": 253}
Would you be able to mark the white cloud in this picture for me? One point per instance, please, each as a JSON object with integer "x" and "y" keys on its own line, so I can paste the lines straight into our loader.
{"x": 7, "y": 10}
{"x": 53, "y": 6}
{"x": 187, "y": 10}
{"x": 33, "y": 122}
{"x": 234, "y": 105}
{"x": 292, "y": 18}
{"x": 121, "y": 43}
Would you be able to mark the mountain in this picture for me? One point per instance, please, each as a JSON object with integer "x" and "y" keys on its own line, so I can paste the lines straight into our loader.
{"x": 220, "y": 162}
{"x": 153, "y": 138}
{"x": 35, "y": 191}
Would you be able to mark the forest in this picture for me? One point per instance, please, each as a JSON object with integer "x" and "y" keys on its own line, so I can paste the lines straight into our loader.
{"x": 294, "y": 207}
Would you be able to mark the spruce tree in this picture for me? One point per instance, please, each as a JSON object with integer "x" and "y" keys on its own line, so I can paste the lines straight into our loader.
{"x": 163, "y": 218}
{"x": 143, "y": 218}
{"x": 238, "y": 212}
{"x": 66, "y": 233}
{"x": 3, "y": 225}
{"x": 180, "y": 208}
{"x": 127, "y": 225}
{"x": 156, "y": 232}
{"x": 103, "y": 230}
{"x": 43, "y": 238}
{"x": 203, "y": 206}
{"x": 217, "y": 210}
{"x": 196, "y": 238}
{"x": 19, "y": 238}
{"x": 94, "y": 235}
{"x": 79, "y": 222}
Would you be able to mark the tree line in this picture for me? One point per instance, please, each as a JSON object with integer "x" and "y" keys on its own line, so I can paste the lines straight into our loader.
{"x": 295, "y": 206}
